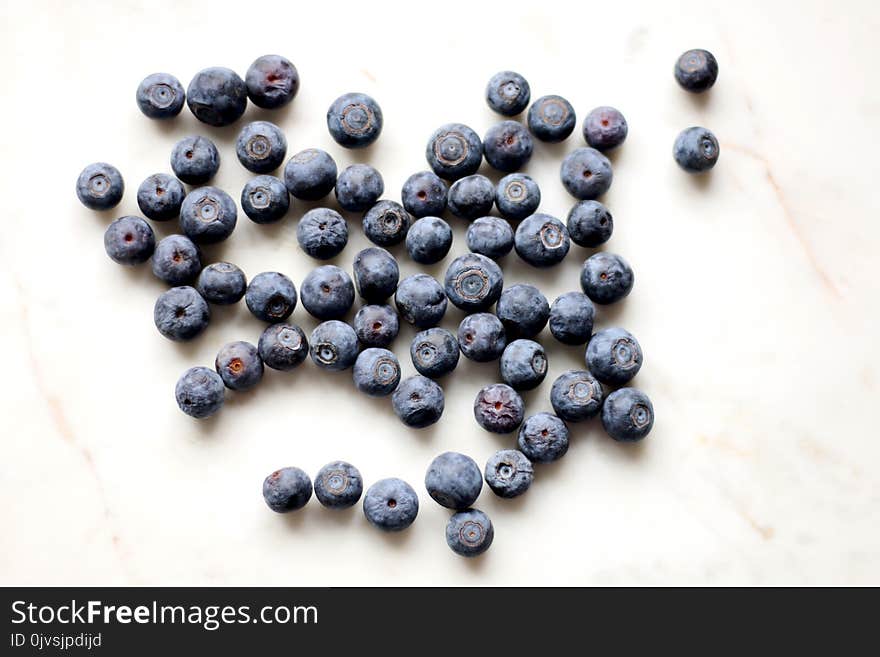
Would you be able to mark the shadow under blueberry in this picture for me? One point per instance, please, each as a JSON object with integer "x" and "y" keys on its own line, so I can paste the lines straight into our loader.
{"x": 548, "y": 470}
{"x": 585, "y": 430}
{"x": 471, "y": 371}
{"x": 396, "y": 540}
{"x": 426, "y": 433}
{"x": 216, "y": 252}
{"x": 629, "y": 452}
{"x": 609, "y": 315}
{"x": 278, "y": 116}
{"x": 172, "y": 126}
{"x": 274, "y": 230}
{"x": 477, "y": 563}
{"x": 701, "y": 181}
{"x": 209, "y": 426}
{"x": 188, "y": 349}
{"x": 617, "y": 156}
{"x": 555, "y": 152}
{"x": 562, "y": 357}
{"x": 532, "y": 397}
{"x": 701, "y": 101}
{"x": 437, "y": 271}
{"x": 236, "y": 398}
{"x": 490, "y": 172}
{"x": 340, "y": 517}
{"x": 500, "y": 507}
{"x": 315, "y": 513}
{"x": 296, "y": 519}
{"x": 223, "y": 135}
{"x": 276, "y": 380}
{"x": 163, "y": 229}
{"x": 141, "y": 275}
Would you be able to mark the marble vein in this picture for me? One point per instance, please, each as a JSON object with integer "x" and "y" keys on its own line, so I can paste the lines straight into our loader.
{"x": 60, "y": 421}
{"x": 789, "y": 216}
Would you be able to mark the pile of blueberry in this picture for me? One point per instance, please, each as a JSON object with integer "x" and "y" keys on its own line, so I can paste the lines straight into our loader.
{"x": 473, "y": 282}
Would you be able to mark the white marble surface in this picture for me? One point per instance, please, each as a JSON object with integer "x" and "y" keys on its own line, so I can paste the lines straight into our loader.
{"x": 756, "y": 301}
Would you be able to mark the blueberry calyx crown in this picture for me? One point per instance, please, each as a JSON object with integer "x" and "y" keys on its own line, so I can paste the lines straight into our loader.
{"x": 356, "y": 119}
{"x": 472, "y": 284}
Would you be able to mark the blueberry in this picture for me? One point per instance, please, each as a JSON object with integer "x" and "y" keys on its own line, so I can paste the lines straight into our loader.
{"x": 358, "y": 187}
{"x": 508, "y": 93}
{"x": 471, "y": 197}
{"x": 571, "y": 318}
{"x": 606, "y": 277}
{"x": 454, "y": 480}
{"x": 160, "y": 96}
{"x": 605, "y": 128}
{"x": 429, "y": 240}
{"x": 287, "y": 489}
{"x": 176, "y": 260}
{"x": 386, "y": 223}
{"x": 576, "y": 395}
{"x": 195, "y": 160}
{"x": 283, "y": 346}
{"x": 541, "y": 240}
{"x": 589, "y": 224}
{"x": 696, "y": 70}
{"x": 208, "y": 215}
{"x": 434, "y": 352}
{"x": 507, "y": 146}
{"x": 551, "y": 118}
{"x": 391, "y": 505}
{"x": 523, "y": 364}
{"x": 261, "y": 146}
{"x": 454, "y": 151}
{"x": 420, "y": 300}
{"x": 696, "y": 150}
{"x": 490, "y": 236}
{"x": 327, "y": 292}
{"x": 517, "y": 196}
{"x": 199, "y": 392}
{"x": 217, "y": 96}
{"x": 181, "y": 313}
{"x": 100, "y": 186}
{"x": 424, "y": 194}
{"x": 129, "y": 241}
{"x": 376, "y": 372}
{"x": 499, "y": 408}
{"x": 627, "y": 415}
{"x": 322, "y": 233}
{"x": 239, "y": 365}
{"x": 265, "y": 200}
{"x": 310, "y": 174}
{"x": 376, "y": 274}
{"x": 586, "y": 173}
{"x": 481, "y": 337}
{"x": 418, "y": 402}
{"x": 159, "y": 197}
{"x": 271, "y": 297}
{"x": 354, "y": 120}
{"x": 473, "y": 282}
{"x": 222, "y": 283}
{"x": 469, "y": 533}
{"x": 509, "y": 473}
{"x": 614, "y": 356}
{"x": 271, "y": 81}
{"x": 523, "y": 310}
{"x": 333, "y": 346}
{"x": 543, "y": 438}
{"x": 376, "y": 326}
{"x": 338, "y": 485}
